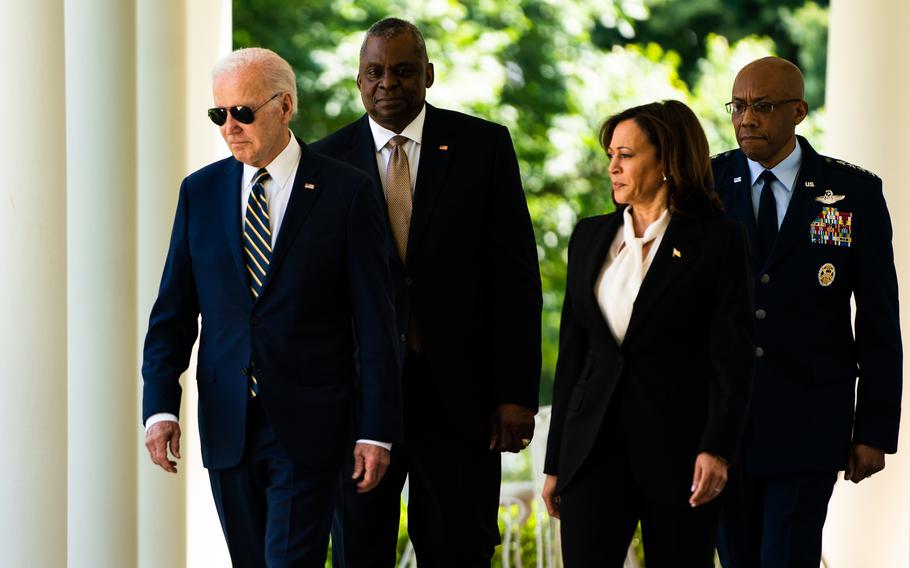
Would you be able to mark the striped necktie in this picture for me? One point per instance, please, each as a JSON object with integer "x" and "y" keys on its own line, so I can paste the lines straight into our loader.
{"x": 257, "y": 233}
{"x": 257, "y": 245}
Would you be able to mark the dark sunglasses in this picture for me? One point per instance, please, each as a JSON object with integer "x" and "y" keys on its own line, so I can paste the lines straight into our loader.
{"x": 242, "y": 114}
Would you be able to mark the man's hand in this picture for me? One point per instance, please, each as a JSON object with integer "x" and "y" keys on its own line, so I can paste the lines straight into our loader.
{"x": 709, "y": 478}
{"x": 156, "y": 442}
{"x": 512, "y": 428}
{"x": 864, "y": 461}
{"x": 549, "y": 496}
{"x": 370, "y": 462}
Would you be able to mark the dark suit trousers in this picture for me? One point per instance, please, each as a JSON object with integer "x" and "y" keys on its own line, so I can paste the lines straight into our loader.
{"x": 774, "y": 521}
{"x": 603, "y": 504}
{"x": 453, "y": 492}
{"x": 274, "y": 512}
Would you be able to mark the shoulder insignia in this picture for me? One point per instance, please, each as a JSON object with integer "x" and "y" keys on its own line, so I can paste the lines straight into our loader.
{"x": 722, "y": 155}
{"x": 848, "y": 166}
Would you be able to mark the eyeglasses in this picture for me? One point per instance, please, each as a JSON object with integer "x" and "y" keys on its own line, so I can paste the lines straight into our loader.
{"x": 760, "y": 107}
{"x": 243, "y": 114}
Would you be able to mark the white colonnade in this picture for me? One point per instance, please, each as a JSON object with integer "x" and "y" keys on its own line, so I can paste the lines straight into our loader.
{"x": 97, "y": 138}
{"x": 33, "y": 412}
{"x": 867, "y": 85}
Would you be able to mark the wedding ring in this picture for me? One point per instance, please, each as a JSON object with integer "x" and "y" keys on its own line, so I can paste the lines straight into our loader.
{"x": 525, "y": 442}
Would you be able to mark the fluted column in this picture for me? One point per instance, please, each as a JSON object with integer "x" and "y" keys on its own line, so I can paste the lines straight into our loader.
{"x": 33, "y": 288}
{"x": 101, "y": 294}
{"x": 868, "y": 81}
{"x": 161, "y": 164}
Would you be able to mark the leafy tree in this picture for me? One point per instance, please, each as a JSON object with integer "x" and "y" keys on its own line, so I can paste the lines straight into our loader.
{"x": 552, "y": 71}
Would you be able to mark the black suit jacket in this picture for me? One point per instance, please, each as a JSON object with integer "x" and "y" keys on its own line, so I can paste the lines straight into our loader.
{"x": 680, "y": 379}
{"x": 470, "y": 283}
{"x": 327, "y": 285}
{"x": 802, "y": 416}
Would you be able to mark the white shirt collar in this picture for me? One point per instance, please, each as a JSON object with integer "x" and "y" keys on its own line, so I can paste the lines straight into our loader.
{"x": 281, "y": 168}
{"x": 785, "y": 172}
{"x": 413, "y": 131}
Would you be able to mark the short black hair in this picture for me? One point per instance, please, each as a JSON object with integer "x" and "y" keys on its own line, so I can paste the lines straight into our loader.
{"x": 391, "y": 27}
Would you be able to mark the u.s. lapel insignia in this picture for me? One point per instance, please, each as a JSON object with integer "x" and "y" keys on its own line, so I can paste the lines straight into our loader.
{"x": 737, "y": 179}
{"x": 828, "y": 198}
{"x": 826, "y": 274}
{"x": 810, "y": 184}
{"x": 443, "y": 147}
{"x": 309, "y": 186}
{"x": 676, "y": 253}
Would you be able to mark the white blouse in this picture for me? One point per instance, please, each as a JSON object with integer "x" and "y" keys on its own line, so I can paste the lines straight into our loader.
{"x": 624, "y": 269}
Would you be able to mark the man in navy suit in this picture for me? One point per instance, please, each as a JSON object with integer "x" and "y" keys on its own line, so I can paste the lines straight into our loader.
{"x": 468, "y": 303}
{"x": 281, "y": 252}
{"x": 820, "y": 234}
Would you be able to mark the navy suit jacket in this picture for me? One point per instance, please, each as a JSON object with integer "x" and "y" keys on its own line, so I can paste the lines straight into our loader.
{"x": 679, "y": 383}
{"x": 327, "y": 289}
{"x": 470, "y": 283}
{"x": 802, "y": 415}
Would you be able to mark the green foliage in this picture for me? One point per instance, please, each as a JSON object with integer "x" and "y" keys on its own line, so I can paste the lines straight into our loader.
{"x": 552, "y": 71}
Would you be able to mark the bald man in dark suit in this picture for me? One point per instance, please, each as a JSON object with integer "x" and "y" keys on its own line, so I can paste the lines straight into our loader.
{"x": 468, "y": 303}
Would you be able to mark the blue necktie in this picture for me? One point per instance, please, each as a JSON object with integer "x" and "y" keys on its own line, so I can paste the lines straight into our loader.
{"x": 257, "y": 246}
{"x": 767, "y": 216}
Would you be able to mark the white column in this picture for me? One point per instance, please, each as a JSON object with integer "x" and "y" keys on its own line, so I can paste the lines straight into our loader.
{"x": 867, "y": 84}
{"x": 33, "y": 288}
{"x": 101, "y": 299}
{"x": 208, "y": 39}
{"x": 161, "y": 164}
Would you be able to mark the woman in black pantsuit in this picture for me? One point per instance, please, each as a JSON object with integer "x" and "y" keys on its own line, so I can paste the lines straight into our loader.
{"x": 655, "y": 353}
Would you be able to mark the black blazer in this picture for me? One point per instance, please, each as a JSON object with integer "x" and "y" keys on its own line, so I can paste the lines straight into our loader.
{"x": 681, "y": 378}
{"x": 802, "y": 416}
{"x": 470, "y": 284}
{"x": 328, "y": 283}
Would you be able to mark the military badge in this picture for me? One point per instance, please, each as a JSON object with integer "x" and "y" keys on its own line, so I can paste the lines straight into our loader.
{"x": 829, "y": 198}
{"x": 832, "y": 228}
{"x": 826, "y": 274}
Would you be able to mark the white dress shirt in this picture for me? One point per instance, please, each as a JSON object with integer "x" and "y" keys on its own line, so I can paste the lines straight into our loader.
{"x": 624, "y": 270}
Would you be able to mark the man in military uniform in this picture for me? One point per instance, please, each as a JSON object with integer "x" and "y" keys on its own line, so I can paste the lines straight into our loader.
{"x": 820, "y": 233}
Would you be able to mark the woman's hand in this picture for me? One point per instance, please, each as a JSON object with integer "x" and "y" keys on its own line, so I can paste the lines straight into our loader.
{"x": 549, "y": 496}
{"x": 709, "y": 478}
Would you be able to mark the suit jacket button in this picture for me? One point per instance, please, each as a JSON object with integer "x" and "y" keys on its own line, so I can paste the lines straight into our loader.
{"x": 760, "y": 314}
{"x": 244, "y": 371}
{"x": 408, "y": 280}
{"x": 759, "y": 352}
{"x": 765, "y": 278}
{"x": 403, "y": 337}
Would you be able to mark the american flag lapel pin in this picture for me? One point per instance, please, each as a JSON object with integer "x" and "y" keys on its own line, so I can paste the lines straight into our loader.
{"x": 309, "y": 186}
{"x": 443, "y": 147}
{"x": 676, "y": 253}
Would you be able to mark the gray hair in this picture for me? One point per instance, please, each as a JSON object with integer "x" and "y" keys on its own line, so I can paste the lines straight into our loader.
{"x": 276, "y": 73}
{"x": 391, "y": 27}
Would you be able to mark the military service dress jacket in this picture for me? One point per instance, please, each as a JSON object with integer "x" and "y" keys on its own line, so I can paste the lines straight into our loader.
{"x": 834, "y": 243}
